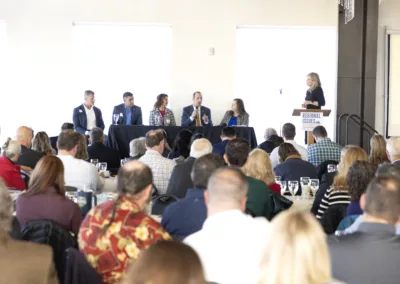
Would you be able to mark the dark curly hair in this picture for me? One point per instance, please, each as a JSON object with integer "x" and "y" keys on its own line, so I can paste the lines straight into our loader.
{"x": 359, "y": 176}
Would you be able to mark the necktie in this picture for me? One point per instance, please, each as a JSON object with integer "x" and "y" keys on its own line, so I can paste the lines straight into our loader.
{"x": 198, "y": 122}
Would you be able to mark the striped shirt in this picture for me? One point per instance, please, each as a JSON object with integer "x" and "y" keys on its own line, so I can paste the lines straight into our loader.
{"x": 330, "y": 198}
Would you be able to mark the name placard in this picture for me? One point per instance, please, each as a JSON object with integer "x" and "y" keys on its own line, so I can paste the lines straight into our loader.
{"x": 310, "y": 120}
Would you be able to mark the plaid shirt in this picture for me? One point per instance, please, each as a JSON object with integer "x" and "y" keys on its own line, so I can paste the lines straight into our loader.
{"x": 322, "y": 151}
{"x": 161, "y": 168}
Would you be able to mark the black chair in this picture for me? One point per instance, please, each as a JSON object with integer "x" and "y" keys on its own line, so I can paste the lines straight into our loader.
{"x": 78, "y": 270}
{"x": 322, "y": 168}
{"x": 332, "y": 217}
{"x": 50, "y": 233}
{"x": 161, "y": 202}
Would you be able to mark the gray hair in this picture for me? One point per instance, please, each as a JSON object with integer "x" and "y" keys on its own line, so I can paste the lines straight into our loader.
{"x": 96, "y": 134}
{"x": 269, "y": 132}
{"x": 200, "y": 147}
{"x": 393, "y": 146}
{"x": 137, "y": 147}
{"x": 6, "y": 208}
{"x": 11, "y": 148}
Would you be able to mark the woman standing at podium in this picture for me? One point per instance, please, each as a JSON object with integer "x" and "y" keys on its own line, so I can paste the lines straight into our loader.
{"x": 315, "y": 98}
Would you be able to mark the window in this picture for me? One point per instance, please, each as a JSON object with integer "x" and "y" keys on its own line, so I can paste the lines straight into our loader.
{"x": 393, "y": 84}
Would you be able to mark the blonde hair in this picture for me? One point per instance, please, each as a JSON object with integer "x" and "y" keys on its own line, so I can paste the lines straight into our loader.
{"x": 378, "y": 150}
{"x": 259, "y": 166}
{"x": 6, "y": 208}
{"x": 41, "y": 143}
{"x": 82, "y": 152}
{"x": 315, "y": 78}
{"x": 298, "y": 253}
{"x": 11, "y": 148}
{"x": 350, "y": 154}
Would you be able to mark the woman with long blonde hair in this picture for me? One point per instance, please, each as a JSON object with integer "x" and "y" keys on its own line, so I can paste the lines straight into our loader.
{"x": 378, "y": 150}
{"x": 298, "y": 253}
{"x": 82, "y": 152}
{"x": 259, "y": 166}
{"x": 41, "y": 143}
{"x": 338, "y": 192}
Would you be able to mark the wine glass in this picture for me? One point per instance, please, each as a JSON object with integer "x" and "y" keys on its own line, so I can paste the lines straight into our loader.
{"x": 332, "y": 168}
{"x": 116, "y": 118}
{"x": 314, "y": 184}
{"x": 293, "y": 186}
{"x": 282, "y": 183}
{"x": 94, "y": 161}
{"x": 102, "y": 167}
{"x": 124, "y": 161}
{"x": 305, "y": 183}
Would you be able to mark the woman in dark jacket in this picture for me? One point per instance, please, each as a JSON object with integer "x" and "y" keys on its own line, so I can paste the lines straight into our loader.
{"x": 237, "y": 116}
{"x": 181, "y": 145}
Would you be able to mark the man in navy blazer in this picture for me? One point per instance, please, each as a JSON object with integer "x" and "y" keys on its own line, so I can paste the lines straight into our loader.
{"x": 128, "y": 113}
{"x": 87, "y": 116}
{"x": 196, "y": 114}
{"x": 227, "y": 134}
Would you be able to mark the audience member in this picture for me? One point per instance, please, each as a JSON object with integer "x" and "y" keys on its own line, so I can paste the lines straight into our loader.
{"x": 160, "y": 166}
{"x": 9, "y": 171}
{"x": 187, "y": 216}
{"x": 195, "y": 137}
{"x": 82, "y": 152}
{"x": 227, "y": 134}
{"x": 359, "y": 176}
{"x": 97, "y": 150}
{"x": 378, "y": 153}
{"x": 229, "y": 242}
{"x": 180, "y": 180}
{"x": 237, "y": 115}
{"x": 393, "y": 149}
{"x": 259, "y": 167}
{"x": 258, "y": 195}
{"x": 22, "y": 262}
{"x": 78, "y": 173}
{"x": 167, "y": 148}
{"x": 296, "y": 251}
{"x": 137, "y": 148}
{"x": 371, "y": 255}
{"x": 28, "y": 157}
{"x": 338, "y": 193}
{"x": 128, "y": 113}
{"x": 114, "y": 233}
{"x": 324, "y": 149}
{"x": 45, "y": 198}
{"x": 181, "y": 145}
{"x": 160, "y": 115}
{"x": 272, "y": 140}
{"x": 288, "y": 132}
{"x": 64, "y": 127}
{"x": 41, "y": 144}
{"x": 292, "y": 167}
{"x": 167, "y": 262}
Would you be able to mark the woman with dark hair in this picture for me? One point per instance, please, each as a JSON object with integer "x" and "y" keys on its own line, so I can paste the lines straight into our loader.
{"x": 41, "y": 143}
{"x": 378, "y": 150}
{"x": 45, "y": 198}
{"x": 164, "y": 262}
{"x": 359, "y": 176}
{"x": 161, "y": 115}
{"x": 181, "y": 145}
{"x": 237, "y": 116}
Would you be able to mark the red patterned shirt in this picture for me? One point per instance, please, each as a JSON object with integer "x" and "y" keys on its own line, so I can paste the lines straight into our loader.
{"x": 131, "y": 231}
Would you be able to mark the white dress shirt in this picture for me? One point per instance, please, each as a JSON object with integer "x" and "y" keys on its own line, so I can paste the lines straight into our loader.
{"x": 79, "y": 173}
{"x": 161, "y": 168}
{"x": 91, "y": 118}
{"x": 230, "y": 246}
{"x": 199, "y": 114}
{"x": 274, "y": 156}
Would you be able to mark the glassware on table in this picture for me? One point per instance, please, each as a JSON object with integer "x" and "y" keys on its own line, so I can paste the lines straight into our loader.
{"x": 293, "y": 186}
{"x": 116, "y": 118}
{"x": 124, "y": 161}
{"x": 94, "y": 161}
{"x": 277, "y": 179}
{"x": 102, "y": 167}
{"x": 305, "y": 187}
{"x": 332, "y": 168}
{"x": 314, "y": 185}
{"x": 282, "y": 183}
{"x": 71, "y": 195}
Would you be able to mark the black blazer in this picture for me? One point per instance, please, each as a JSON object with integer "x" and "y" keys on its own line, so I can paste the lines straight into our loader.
{"x": 53, "y": 143}
{"x": 105, "y": 155}
{"x": 80, "y": 120}
{"x": 187, "y": 112}
{"x": 316, "y": 95}
{"x": 136, "y": 117}
{"x": 29, "y": 157}
{"x": 180, "y": 180}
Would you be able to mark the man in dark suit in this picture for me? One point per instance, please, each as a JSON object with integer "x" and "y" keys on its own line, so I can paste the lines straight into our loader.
{"x": 87, "y": 116}
{"x": 393, "y": 150}
{"x": 196, "y": 114}
{"x": 28, "y": 157}
{"x": 372, "y": 253}
{"x": 53, "y": 139}
{"x": 97, "y": 150}
{"x": 128, "y": 113}
{"x": 181, "y": 180}
{"x": 227, "y": 134}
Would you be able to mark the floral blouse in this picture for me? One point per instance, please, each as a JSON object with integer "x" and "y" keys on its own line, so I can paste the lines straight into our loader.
{"x": 112, "y": 251}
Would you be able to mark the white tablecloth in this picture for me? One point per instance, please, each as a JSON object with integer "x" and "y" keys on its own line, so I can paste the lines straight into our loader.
{"x": 301, "y": 204}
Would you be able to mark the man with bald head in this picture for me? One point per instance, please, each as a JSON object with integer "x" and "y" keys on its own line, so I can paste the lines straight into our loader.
{"x": 230, "y": 242}
{"x": 28, "y": 157}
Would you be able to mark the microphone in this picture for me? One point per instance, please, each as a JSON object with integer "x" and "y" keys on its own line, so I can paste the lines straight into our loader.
{"x": 197, "y": 108}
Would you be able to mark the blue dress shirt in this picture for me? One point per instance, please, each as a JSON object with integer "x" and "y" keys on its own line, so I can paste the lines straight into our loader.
{"x": 233, "y": 121}
{"x": 128, "y": 116}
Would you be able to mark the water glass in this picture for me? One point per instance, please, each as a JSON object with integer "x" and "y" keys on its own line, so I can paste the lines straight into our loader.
{"x": 278, "y": 179}
{"x": 282, "y": 183}
{"x": 332, "y": 168}
{"x": 124, "y": 161}
{"x": 94, "y": 161}
{"x": 314, "y": 184}
{"x": 293, "y": 186}
{"x": 102, "y": 167}
{"x": 116, "y": 118}
{"x": 305, "y": 187}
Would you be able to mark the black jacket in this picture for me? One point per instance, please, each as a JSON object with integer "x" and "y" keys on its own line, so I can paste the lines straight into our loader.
{"x": 270, "y": 144}
{"x": 316, "y": 95}
{"x": 29, "y": 157}
{"x": 105, "y": 155}
{"x": 180, "y": 180}
{"x": 78, "y": 270}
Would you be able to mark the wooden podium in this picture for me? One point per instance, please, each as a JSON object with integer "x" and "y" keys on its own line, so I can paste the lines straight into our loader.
{"x": 325, "y": 113}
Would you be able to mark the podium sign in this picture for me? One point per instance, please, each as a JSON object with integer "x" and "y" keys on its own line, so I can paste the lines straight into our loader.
{"x": 310, "y": 120}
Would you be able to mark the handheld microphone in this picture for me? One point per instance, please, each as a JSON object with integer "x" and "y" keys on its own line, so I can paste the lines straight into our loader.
{"x": 197, "y": 108}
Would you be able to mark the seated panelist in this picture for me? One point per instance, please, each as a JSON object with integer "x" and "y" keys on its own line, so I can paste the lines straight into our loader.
{"x": 161, "y": 115}
{"x": 237, "y": 116}
{"x": 87, "y": 116}
{"x": 196, "y": 114}
{"x": 127, "y": 113}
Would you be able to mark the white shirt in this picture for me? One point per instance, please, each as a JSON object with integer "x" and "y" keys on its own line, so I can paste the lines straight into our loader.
{"x": 274, "y": 156}
{"x": 199, "y": 110}
{"x": 91, "y": 118}
{"x": 79, "y": 173}
{"x": 161, "y": 168}
{"x": 230, "y": 246}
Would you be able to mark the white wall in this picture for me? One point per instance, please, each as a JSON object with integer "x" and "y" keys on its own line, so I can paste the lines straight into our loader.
{"x": 389, "y": 16}
{"x": 40, "y": 42}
